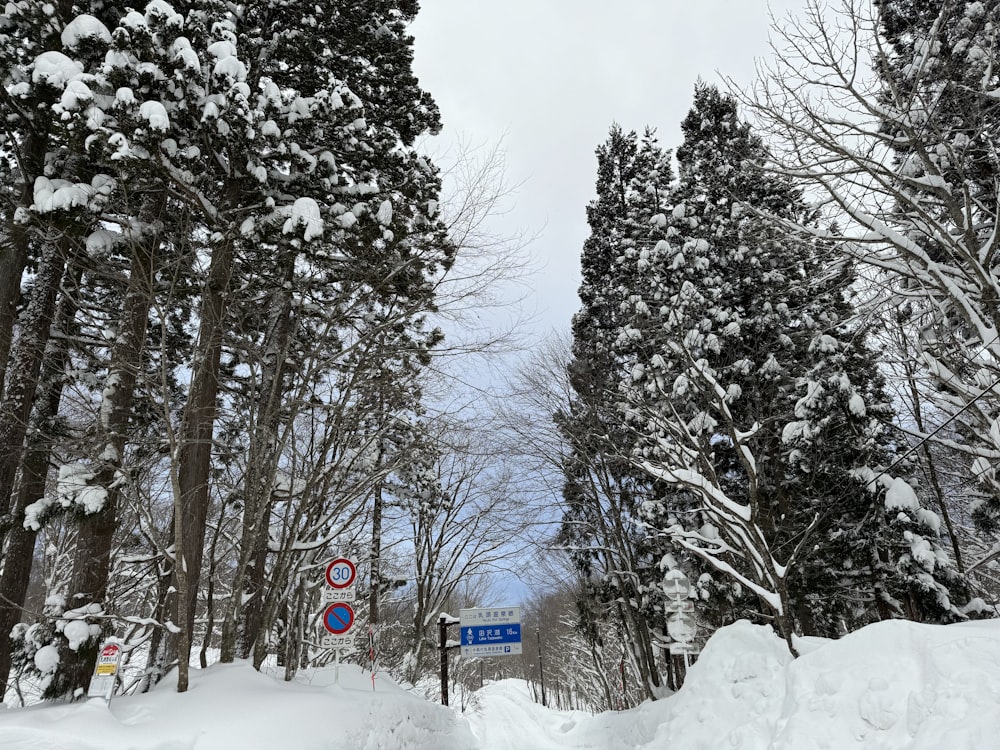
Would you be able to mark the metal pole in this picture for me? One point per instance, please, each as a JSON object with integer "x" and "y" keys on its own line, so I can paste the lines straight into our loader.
{"x": 443, "y": 633}
{"x": 371, "y": 652}
{"x": 541, "y": 668}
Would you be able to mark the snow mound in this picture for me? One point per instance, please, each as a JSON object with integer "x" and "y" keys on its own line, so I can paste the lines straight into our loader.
{"x": 231, "y": 706}
{"x": 897, "y": 684}
{"x": 891, "y": 686}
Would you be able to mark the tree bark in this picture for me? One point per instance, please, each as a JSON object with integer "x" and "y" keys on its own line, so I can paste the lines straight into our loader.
{"x": 19, "y": 556}
{"x": 241, "y": 629}
{"x": 193, "y": 452}
{"x": 27, "y": 365}
{"x": 95, "y": 532}
{"x": 14, "y": 252}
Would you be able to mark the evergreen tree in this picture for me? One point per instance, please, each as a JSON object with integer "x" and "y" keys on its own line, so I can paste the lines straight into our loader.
{"x": 206, "y": 157}
{"x": 753, "y": 389}
{"x": 603, "y": 491}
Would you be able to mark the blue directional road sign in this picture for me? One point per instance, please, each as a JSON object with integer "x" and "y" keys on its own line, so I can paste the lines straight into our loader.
{"x": 494, "y": 631}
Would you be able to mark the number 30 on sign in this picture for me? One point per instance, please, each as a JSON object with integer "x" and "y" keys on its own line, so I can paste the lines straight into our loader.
{"x": 341, "y": 573}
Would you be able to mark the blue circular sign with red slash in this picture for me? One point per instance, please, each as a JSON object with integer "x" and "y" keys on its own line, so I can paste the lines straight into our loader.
{"x": 338, "y": 618}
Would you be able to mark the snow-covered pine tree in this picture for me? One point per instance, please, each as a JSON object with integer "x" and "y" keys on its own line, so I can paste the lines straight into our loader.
{"x": 603, "y": 491}
{"x": 238, "y": 122}
{"x": 375, "y": 305}
{"x": 57, "y": 199}
{"x": 753, "y": 388}
{"x": 917, "y": 80}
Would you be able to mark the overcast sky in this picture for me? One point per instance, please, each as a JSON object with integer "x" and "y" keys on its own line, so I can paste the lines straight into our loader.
{"x": 551, "y": 76}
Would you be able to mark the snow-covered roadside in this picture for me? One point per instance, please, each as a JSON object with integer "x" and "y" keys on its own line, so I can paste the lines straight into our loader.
{"x": 232, "y": 706}
{"x": 890, "y": 686}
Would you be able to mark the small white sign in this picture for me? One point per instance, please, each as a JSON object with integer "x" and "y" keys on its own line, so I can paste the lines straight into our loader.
{"x": 328, "y": 595}
{"x": 676, "y": 585}
{"x": 682, "y": 627}
{"x": 102, "y": 683}
{"x": 339, "y": 642}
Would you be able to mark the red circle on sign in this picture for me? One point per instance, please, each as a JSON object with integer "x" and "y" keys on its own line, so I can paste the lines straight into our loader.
{"x": 338, "y": 618}
{"x": 110, "y": 650}
{"x": 336, "y": 578}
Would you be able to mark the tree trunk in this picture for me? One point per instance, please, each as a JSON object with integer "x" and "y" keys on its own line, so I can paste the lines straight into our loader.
{"x": 14, "y": 247}
{"x": 159, "y": 660}
{"x": 34, "y": 473}
{"x": 95, "y": 532}
{"x": 14, "y": 252}
{"x": 786, "y": 625}
{"x": 918, "y": 418}
{"x": 193, "y": 453}
{"x": 185, "y": 602}
{"x": 27, "y": 365}
{"x": 376, "y": 555}
{"x": 242, "y": 629}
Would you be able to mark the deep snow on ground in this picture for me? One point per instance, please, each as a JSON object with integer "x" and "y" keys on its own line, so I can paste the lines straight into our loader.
{"x": 890, "y": 686}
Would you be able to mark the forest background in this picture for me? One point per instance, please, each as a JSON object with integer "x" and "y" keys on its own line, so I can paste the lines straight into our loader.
{"x": 243, "y": 329}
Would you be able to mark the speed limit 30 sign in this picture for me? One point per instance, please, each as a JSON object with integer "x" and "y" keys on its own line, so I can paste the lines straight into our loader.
{"x": 340, "y": 576}
{"x": 341, "y": 573}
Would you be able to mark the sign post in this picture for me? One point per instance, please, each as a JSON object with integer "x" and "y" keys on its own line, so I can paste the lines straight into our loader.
{"x": 681, "y": 625}
{"x": 444, "y": 622}
{"x": 676, "y": 585}
{"x": 102, "y": 683}
{"x": 338, "y": 617}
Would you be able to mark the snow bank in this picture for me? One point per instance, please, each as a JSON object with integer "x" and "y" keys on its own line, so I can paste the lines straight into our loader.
{"x": 890, "y": 686}
{"x": 733, "y": 695}
{"x": 232, "y": 706}
{"x": 897, "y": 685}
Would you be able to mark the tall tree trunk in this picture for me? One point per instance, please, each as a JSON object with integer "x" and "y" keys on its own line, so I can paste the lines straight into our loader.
{"x": 184, "y": 602}
{"x": 34, "y": 473}
{"x": 618, "y": 556}
{"x": 26, "y": 367}
{"x": 376, "y": 556}
{"x": 15, "y": 237}
{"x": 158, "y": 661}
{"x": 15, "y": 243}
{"x": 95, "y": 532}
{"x": 929, "y": 462}
{"x": 242, "y": 628}
{"x": 191, "y": 457}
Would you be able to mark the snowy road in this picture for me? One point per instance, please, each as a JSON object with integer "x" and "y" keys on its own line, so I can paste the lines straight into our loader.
{"x": 505, "y": 717}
